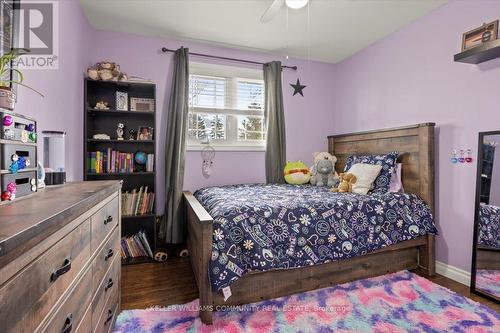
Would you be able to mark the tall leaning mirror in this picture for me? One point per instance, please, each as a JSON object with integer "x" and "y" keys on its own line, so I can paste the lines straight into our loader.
{"x": 485, "y": 273}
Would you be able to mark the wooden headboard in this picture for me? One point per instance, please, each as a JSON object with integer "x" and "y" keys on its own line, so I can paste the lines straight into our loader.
{"x": 415, "y": 144}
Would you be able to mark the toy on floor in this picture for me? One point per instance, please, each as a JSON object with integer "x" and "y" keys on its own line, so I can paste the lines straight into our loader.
{"x": 346, "y": 182}
{"x": 161, "y": 255}
{"x": 297, "y": 173}
{"x": 323, "y": 170}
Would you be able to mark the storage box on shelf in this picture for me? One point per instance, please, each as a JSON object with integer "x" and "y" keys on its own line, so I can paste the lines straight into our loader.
{"x": 117, "y": 156}
{"x": 18, "y": 156}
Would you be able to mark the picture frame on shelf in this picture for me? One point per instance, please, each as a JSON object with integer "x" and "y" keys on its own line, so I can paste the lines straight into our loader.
{"x": 121, "y": 101}
{"x": 145, "y": 133}
{"x": 142, "y": 104}
{"x": 485, "y": 33}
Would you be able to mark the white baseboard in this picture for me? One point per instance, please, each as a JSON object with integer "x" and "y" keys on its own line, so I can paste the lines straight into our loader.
{"x": 453, "y": 273}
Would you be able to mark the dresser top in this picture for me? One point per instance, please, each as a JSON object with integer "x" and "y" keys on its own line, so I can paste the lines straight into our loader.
{"x": 36, "y": 217}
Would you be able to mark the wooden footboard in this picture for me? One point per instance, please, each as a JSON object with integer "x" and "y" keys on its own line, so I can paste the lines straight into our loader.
{"x": 199, "y": 241}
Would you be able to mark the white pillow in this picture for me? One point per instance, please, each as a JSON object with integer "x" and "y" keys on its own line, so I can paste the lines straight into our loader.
{"x": 366, "y": 175}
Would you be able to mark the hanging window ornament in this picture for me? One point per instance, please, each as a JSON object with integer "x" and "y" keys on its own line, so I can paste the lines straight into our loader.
{"x": 207, "y": 156}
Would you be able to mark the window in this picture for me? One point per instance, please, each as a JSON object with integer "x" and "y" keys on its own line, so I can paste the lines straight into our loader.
{"x": 226, "y": 106}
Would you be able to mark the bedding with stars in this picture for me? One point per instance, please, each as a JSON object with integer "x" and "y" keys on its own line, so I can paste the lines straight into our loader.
{"x": 262, "y": 227}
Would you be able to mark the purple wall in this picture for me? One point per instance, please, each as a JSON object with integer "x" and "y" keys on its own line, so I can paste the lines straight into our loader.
{"x": 410, "y": 77}
{"x": 61, "y": 109}
{"x": 308, "y": 119}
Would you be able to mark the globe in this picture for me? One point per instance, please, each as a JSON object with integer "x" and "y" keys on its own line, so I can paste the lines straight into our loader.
{"x": 141, "y": 158}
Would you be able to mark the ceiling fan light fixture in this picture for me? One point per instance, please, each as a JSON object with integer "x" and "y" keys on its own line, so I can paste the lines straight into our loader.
{"x": 296, "y": 4}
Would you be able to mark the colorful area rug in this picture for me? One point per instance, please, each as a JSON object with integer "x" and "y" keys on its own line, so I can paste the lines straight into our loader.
{"x": 488, "y": 280}
{"x": 399, "y": 302}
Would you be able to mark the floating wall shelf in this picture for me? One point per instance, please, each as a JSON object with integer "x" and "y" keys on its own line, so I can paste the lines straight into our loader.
{"x": 481, "y": 53}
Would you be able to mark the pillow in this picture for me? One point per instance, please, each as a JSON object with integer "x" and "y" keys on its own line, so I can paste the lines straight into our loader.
{"x": 396, "y": 185}
{"x": 366, "y": 175}
{"x": 387, "y": 161}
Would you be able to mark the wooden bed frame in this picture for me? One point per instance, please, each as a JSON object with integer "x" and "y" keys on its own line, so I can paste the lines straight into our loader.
{"x": 416, "y": 143}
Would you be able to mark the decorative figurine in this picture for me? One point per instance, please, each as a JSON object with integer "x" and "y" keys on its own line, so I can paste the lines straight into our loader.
{"x": 8, "y": 134}
{"x": 7, "y": 120}
{"x": 12, "y": 187}
{"x": 30, "y": 127}
{"x": 14, "y": 167}
{"x": 119, "y": 131}
{"x": 132, "y": 134}
{"x": 5, "y": 195}
{"x": 24, "y": 136}
{"x": 101, "y": 105}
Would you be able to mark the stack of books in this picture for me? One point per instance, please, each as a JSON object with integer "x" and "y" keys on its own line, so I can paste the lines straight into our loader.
{"x": 136, "y": 246}
{"x": 111, "y": 161}
{"x": 138, "y": 202}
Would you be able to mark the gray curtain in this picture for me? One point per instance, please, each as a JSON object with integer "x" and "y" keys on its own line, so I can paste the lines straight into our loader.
{"x": 172, "y": 226}
{"x": 275, "y": 123}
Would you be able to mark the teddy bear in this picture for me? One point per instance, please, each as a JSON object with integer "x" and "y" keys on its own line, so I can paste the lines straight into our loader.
{"x": 297, "y": 173}
{"x": 346, "y": 182}
{"x": 106, "y": 71}
{"x": 326, "y": 162}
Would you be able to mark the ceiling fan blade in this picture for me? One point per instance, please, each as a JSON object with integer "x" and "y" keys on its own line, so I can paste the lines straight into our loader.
{"x": 272, "y": 10}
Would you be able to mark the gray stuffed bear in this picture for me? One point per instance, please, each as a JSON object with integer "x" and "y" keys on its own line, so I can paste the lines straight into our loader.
{"x": 324, "y": 173}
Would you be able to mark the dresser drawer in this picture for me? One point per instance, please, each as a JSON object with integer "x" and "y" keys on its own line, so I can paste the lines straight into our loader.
{"x": 104, "y": 320}
{"x": 103, "y": 221}
{"x": 108, "y": 288}
{"x": 33, "y": 292}
{"x": 85, "y": 325}
{"x": 72, "y": 311}
{"x": 105, "y": 257}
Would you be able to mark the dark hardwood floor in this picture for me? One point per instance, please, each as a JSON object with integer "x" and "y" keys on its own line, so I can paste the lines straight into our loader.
{"x": 172, "y": 282}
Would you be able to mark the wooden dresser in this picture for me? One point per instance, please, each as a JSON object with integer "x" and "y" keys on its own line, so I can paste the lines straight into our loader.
{"x": 60, "y": 259}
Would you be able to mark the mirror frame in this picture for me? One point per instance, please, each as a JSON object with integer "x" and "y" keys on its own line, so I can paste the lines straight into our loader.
{"x": 473, "y": 288}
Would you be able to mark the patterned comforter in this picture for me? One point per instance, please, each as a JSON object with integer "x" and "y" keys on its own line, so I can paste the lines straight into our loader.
{"x": 265, "y": 227}
{"x": 489, "y": 226}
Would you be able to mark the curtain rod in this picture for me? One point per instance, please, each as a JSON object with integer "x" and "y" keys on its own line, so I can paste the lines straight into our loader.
{"x": 165, "y": 50}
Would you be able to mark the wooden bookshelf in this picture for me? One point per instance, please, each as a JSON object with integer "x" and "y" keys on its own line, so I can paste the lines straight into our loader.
{"x": 105, "y": 122}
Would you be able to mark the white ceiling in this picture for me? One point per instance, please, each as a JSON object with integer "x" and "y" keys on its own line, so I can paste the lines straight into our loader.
{"x": 338, "y": 28}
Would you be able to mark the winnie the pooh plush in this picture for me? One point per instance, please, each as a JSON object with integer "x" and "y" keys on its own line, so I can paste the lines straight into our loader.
{"x": 346, "y": 182}
{"x": 323, "y": 171}
{"x": 297, "y": 173}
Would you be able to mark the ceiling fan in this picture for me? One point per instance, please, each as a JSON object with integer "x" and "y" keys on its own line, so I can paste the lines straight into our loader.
{"x": 276, "y": 6}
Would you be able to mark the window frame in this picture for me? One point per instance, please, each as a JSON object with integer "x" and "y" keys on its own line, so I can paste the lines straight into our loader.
{"x": 232, "y": 114}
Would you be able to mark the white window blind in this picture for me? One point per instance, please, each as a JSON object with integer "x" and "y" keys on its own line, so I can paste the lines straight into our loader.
{"x": 226, "y": 106}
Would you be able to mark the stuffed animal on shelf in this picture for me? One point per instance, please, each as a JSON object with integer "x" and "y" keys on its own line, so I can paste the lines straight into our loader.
{"x": 297, "y": 173}
{"x": 323, "y": 171}
{"x": 346, "y": 182}
{"x": 106, "y": 71}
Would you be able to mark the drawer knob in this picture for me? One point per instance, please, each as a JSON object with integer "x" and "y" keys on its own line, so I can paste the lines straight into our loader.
{"x": 108, "y": 255}
{"x": 110, "y": 316}
{"x": 109, "y": 285}
{"x": 61, "y": 270}
{"x": 68, "y": 324}
{"x": 108, "y": 220}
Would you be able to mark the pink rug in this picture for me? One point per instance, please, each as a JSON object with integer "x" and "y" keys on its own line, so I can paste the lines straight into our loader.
{"x": 400, "y": 302}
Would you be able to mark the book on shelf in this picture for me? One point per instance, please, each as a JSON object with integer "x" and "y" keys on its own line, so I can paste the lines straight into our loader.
{"x": 114, "y": 161}
{"x": 136, "y": 246}
{"x": 138, "y": 202}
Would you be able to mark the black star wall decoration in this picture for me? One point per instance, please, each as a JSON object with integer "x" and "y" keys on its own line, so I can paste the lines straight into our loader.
{"x": 297, "y": 88}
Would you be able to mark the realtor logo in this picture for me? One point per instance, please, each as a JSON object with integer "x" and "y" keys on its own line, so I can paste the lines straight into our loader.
{"x": 38, "y": 31}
